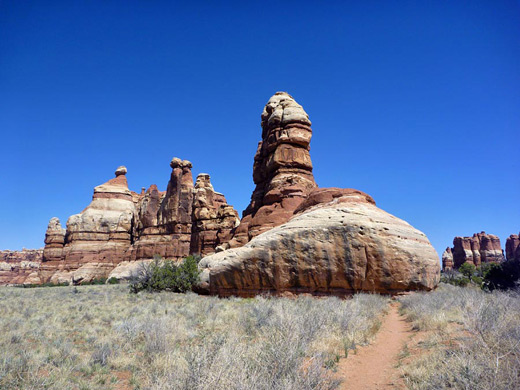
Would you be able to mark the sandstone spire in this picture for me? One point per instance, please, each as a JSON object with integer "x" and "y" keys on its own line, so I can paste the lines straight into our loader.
{"x": 282, "y": 169}
{"x": 213, "y": 219}
{"x": 54, "y": 240}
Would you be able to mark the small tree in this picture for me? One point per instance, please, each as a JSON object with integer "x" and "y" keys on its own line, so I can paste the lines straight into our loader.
{"x": 467, "y": 269}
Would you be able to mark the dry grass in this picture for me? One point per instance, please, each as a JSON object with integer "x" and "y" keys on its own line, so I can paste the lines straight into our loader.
{"x": 472, "y": 339}
{"x": 102, "y": 337}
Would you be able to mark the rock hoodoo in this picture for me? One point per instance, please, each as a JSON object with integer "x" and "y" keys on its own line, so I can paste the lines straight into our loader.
{"x": 96, "y": 240}
{"x": 447, "y": 259}
{"x": 282, "y": 169}
{"x": 164, "y": 224}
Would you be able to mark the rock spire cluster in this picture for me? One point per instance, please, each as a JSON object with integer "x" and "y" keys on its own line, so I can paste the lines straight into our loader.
{"x": 293, "y": 237}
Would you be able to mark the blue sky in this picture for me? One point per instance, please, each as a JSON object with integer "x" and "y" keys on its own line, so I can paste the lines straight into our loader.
{"x": 416, "y": 103}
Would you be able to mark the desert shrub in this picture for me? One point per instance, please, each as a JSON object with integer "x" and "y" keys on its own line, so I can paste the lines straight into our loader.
{"x": 480, "y": 350}
{"x": 455, "y": 279}
{"x": 166, "y": 275}
{"x": 176, "y": 341}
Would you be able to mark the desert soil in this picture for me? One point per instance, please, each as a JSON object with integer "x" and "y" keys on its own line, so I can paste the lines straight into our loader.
{"x": 374, "y": 366}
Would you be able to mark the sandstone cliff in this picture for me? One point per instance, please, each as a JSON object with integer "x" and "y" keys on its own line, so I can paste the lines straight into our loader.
{"x": 293, "y": 235}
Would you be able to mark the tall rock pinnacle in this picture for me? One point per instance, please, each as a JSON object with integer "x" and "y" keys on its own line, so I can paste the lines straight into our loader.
{"x": 282, "y": 169}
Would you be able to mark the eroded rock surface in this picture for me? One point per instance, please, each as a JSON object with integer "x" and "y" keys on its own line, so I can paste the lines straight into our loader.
{"x": 339, "y": 247}
{"x": 299, "y": 238}
{"x": 165, "y": 220}
{"x": 96, "y": 239}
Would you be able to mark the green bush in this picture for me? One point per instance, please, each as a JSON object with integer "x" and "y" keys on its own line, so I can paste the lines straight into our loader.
{"x": 161, "y": 275}
{"x": 113, "y": 280}
{"x": 467, "y": 269}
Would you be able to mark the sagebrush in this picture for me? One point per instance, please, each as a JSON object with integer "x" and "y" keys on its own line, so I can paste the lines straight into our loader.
{"x": 102, "y": 337}
{"x": 474, "y": 339}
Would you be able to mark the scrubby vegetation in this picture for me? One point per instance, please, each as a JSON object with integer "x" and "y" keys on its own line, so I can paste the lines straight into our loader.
{"x": 488, "y": 276}
{"x": 473, "y": 339}
{"x": 102, "y": 337}
{"x": 93, "y": 282}
{"x": 166, "y": 275}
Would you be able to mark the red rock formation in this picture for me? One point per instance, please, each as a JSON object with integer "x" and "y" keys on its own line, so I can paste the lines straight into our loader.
{"x": 481, "y": 248}
{"x": 447, "y": 260}
{"x": 213, "y": 219}
{"x": 282, "y": 169}
{"x": 164, "y": 220}
{"x": 20, "y": 267}
{"x": 513, "y": 247}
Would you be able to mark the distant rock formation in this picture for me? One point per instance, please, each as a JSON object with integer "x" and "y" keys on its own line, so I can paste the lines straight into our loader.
{"x": 164, "y": 224}
{"x": 20, "y": 267}
{"x": 478, "y": 249}
{"x": 302, "y": 239}
{"x": 282, "y": 169}
{"x": 513, "y": 247}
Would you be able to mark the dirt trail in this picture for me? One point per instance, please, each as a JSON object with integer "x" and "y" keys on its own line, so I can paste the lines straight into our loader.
{"x": 374, "y": 366}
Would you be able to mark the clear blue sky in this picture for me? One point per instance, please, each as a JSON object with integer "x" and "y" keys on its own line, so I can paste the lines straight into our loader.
{"x": 416, "y": 103}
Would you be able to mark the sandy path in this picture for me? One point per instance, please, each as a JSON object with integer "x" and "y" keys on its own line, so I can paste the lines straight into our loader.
{"x": 374, "y": 366}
